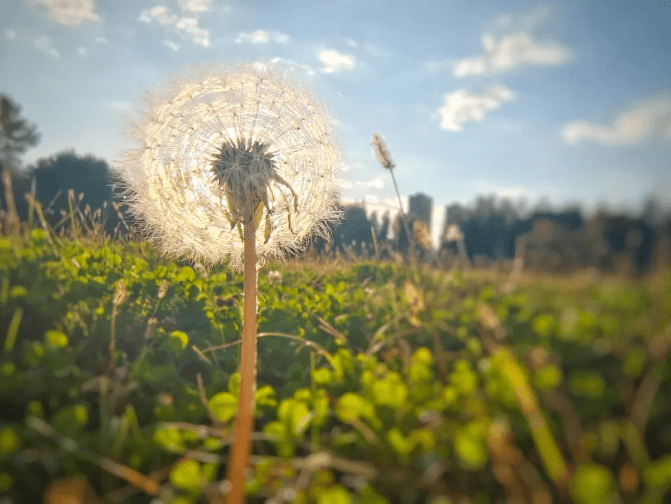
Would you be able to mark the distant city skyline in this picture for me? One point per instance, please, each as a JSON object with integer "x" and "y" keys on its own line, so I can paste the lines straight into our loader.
{"x": 567, "y": 101}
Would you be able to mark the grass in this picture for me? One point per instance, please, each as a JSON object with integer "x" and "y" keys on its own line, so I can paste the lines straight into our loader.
{"x": 377, "y": 382}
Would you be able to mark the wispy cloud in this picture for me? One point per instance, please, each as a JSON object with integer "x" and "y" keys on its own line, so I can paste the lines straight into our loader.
{"x": 509, "y": 52}
{"x": 335, "y": 61}
{"x": 514, "y": 192}
{"x": 523, "y": 22}
{"x": 195, "y": 5}
{"x": 172, "y": 45}
{"x": 463, "y": 106}
{"x": 10, "y": 34}
{"x": 84, "y": 51}
{"x": 191, "y": 29}
{"x": 374, "y": 203}
{"x": 45, "y": 45}
{"x": 159, "y": 13}
{"x": 185, "y": 26}
{"x": 438, "y": 66}
{"x": 70, "y": 12}
{"x": 285, "y": 62}
{"x": 377, "y": 183}
{"x": 261, "y": 37}
{"x": 640, "y": 122}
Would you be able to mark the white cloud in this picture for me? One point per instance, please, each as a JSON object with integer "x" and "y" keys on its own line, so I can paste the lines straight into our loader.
{"x": 10, "y": 34}
{"x": 335, "y": 61}
{"x": 186, "y": 27}
{"x": 525, "y": 22}
{"x": 86, "y": 51}
{"x": 195, "y": 5}
{"x": 376, "y": 183}
{"x": 162, "y": 14}
{"x": 261, "y": 37}
{"x": 640, "y": 122}
{"x": 70, "y": 12}
{"x": 190, "y": 27}
{"x": 281, "y": 38}
{"x": 509, "y": 52}
{"x": 172, "y": 45}
{"x": 285, "y": 62}
{"x": 256, "y": 37}
{"x": 44, "y": 44}
{"x": 373, "y": 203}
{"x": 437, "y": 66}
{"x": 486, "y": 186}
{"x": 462, "y": 106}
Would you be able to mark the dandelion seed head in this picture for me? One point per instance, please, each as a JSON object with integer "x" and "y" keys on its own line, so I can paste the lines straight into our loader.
{"x": 218, "y": 147}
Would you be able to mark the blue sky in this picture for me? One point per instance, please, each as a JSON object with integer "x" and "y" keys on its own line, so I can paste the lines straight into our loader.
{"x": 568, "y": 101}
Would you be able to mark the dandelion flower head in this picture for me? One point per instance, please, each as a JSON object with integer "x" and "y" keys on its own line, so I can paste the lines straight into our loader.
{"x": 227, "y": 149}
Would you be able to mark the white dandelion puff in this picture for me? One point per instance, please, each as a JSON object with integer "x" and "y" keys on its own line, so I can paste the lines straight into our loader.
{"x": 228, "y": 148}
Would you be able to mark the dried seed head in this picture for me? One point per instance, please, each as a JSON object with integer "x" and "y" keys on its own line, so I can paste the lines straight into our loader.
{"x": 120, "y": 295}
{"x": 228, "y": 149}
{"x": 381, "y": 152}
{"x": 163, "y": 289}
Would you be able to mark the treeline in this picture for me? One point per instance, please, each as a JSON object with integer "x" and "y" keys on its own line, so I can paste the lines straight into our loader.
{"x": 67, "y": 184}
{"x": 497, "y": 231}
{"x": 565, "y": 240}
{"x": 490, "y": 232}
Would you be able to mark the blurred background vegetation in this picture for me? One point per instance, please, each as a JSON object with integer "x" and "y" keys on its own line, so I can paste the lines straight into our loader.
{"x": 489, "y": 232}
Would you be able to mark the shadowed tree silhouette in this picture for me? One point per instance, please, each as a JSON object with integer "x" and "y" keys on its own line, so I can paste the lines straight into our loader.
{"x": 355, "y": 228}
{"x": 16, "y": 136}
{"x": 87, "y": 176}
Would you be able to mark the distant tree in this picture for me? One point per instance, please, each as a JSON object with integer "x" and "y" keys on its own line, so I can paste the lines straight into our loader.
{"x": 653, "y": 212}
{"x": 354, "y": 230}
{"x": 16, "y": 136}
{"x": 399, "y": 226}
{"x": 87, "y": 176}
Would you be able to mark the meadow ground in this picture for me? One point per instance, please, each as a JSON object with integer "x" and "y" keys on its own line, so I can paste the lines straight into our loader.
{"x": 377, "y": 382}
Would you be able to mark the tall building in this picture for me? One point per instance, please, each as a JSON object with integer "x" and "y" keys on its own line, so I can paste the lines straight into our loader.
{"x": 420, "y": 206}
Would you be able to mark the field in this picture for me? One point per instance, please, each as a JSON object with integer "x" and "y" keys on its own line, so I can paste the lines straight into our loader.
{"x": 376, "y": 383}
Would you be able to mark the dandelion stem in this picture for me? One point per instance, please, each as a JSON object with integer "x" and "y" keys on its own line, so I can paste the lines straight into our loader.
{"x": 245, "y": 419}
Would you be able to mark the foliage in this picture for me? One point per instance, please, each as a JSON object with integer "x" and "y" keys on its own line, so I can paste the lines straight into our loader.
{"x": 16, "y": 134}
{"x": 376, "y": 382}
{"x": 65, "y": 182}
